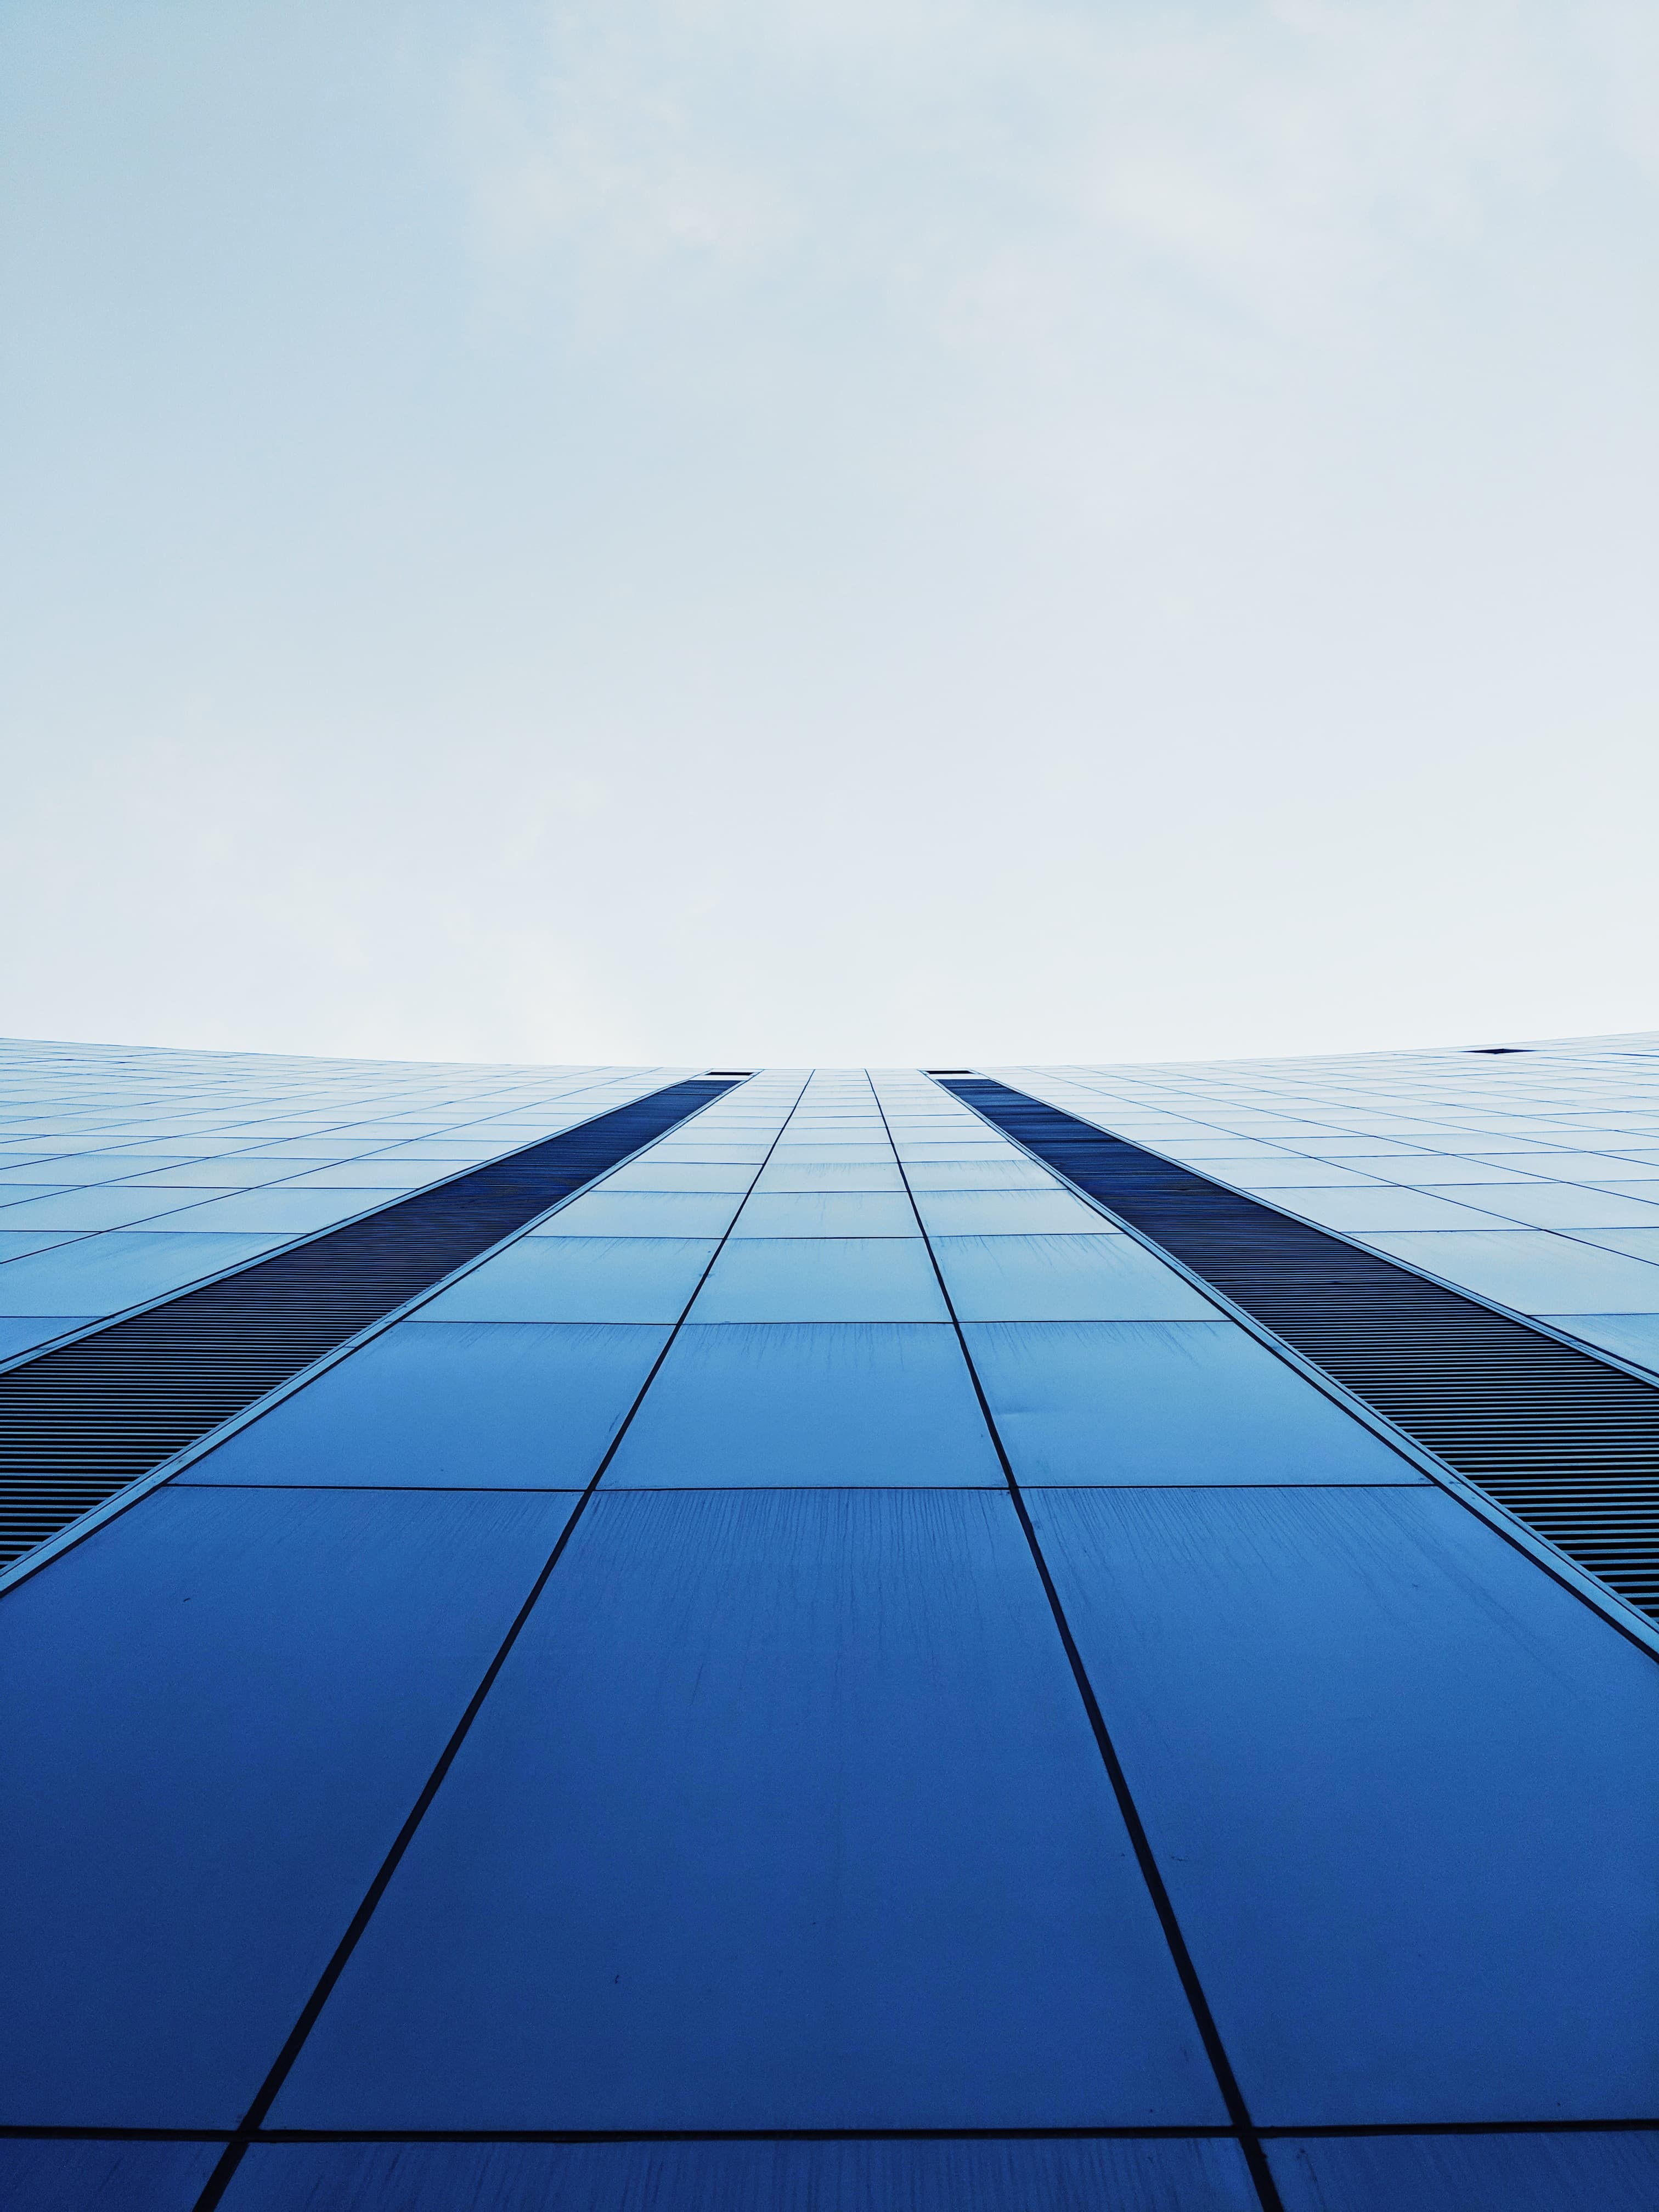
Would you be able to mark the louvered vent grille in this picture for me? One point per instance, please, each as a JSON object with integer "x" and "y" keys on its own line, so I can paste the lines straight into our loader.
{"x": 77, "y": 1425}
{"x": 1569, "y": 1444}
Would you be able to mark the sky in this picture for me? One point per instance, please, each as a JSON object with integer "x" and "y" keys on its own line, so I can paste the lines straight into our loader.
{"x": 940, "y": 532}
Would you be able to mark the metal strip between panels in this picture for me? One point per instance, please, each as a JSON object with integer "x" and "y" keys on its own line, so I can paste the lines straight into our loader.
{"x": 79, "y": 1423}
{"x": 1567, "y": 1443}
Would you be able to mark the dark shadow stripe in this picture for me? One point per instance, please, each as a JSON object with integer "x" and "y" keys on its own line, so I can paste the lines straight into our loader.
{"x": 79, "y": 1423}
{"x": 1567, "y": 1443}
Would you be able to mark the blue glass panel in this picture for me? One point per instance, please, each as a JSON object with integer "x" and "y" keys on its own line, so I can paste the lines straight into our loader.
{"x": 1530, "y": 1269}
{"x": 822, "y": 1278}
{"x": 827, "y": 1213}
{"x": 829, "y": 1176}
{"x": 812, "y": 1149}
{"x": 19, "y": 1247}
{"x": 1636, "y": 1243}
{"x": 653, "y": 1173}
{"x": 784, "y": 1813}
{"x": 1106, "y": 1277}
{"x": 1630, "y": 1336}
{"x": 99, "y": 1206}
{"x": 608, "y": 1212}
{"x": 709, "y": 1153}
{"x": 123, "y": 1267}
{"x": 37, "y": 2176}
{"x": 86, "y": 1168}
{"x": 369, "y": 1174}
{"x": 1401, "y": 1786}
{"x": 1380, "y": 1206}
{"x": 1165, "y": 1401}
{"x": 1051, "y": 1212}
{"x": 826, "y": 1402}
{"x": 744, "y": 2177}
{"x": 221, "y": 1708}
{"x": 1297, "y": 1173}
{"x": 296, "y": 1212}
{"x": 637, "y": 1278}
{"x": 1609, "y": 2172}
{"x": 1016, "y": 1173}
{"x": 509, "y": 1404}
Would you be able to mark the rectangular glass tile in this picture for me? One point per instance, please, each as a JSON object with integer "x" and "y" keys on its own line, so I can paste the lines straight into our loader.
{"x": 1402, "y": 1786}
{"x": 494, "y": 1405}
{"x": 790, "y": 1154}
{"x": 610, "y": 1212}
{"x": 1552, "y": 1206}
{"x": 783, "y": 1812}
{"x": 651, "y": 1173}
{"x": 294, "y": 1212}
{"x": 123, "y": 1267}
{"x": 1166, "y": 1402}
{"x": 1016, "y": 1173}
{"x": 47, "y": 2175}
{"x": 822, "y": 1278}
{"x": 1296, "y": 1173}
{"x": 827, "y": 1213}
{"x": 1611, "y": 2172}
{"x": 1051, "y": 1212}
{"x": 637, "y": 1278}
{"x": 22, "y": 1335}
{"x": 1010, "y": 2176}
{"x": 184, "y": 1841}
{"x": 370, "y": 1174}
{"x": 18, "y": 1247}
{"x": 1380, "y": 1206}
{"x": 1629, "y": 1336}
{"x": 828, "y": 1175}
{"x": 812, "y": 1402}
{"x": 1105, "y": 1277}
{"x": 1527, "y": 1268}
{"x": 99, "y": 1206}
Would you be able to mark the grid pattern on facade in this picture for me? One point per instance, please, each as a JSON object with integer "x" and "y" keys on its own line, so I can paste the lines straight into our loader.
{"x": 821, "y": 1674}
{"x": 1566, "y": 1442}
{"x": 78, "y": 1424}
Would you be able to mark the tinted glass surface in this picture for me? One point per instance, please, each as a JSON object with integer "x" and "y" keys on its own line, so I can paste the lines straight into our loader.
{"x": 822, "y": 1278}
{"x": 810, "y": 1402}
{"x": 1105, "y": 1278}
{"x": 122, "y": 1269}
{"x": 1052, "y": 1212}
{"x": 1612, "y": 2173}
{"x": 784, "y": 1812}
{"x": 734, "y": 2177}
{"x": 221, "y": 1708}
{"x": 499, "y": 1404}
{"x": 1165, "y": 1401}
{"x": 837, "y": 1212}
{"x": 1402, "y": 1786}
{"x": 592, "y": 1278}
{"x": 48, "y": 2176}
{"x": 610, "y": 1212}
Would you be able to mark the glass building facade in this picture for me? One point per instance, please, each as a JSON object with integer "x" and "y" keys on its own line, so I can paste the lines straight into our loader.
{"x": 825, "y": 1666}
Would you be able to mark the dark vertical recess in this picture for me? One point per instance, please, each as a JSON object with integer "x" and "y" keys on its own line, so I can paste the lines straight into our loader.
{"x": 1567, "y": 1443}
{"x": 78, "y": 1425}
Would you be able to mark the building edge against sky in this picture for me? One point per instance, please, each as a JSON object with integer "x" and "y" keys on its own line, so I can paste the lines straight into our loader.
{"x": 826, "y": 1663}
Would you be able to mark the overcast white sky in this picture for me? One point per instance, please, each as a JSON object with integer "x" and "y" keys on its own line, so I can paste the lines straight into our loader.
{"x": 722, "y": 530}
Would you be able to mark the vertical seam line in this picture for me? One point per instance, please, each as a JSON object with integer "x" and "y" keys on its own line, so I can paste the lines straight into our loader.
{"x": 1232, "y": 2096}
{"x": 266, "y": 2096}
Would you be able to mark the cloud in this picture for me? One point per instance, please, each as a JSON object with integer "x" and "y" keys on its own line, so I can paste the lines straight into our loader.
{"x": 1286, "y": 163}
